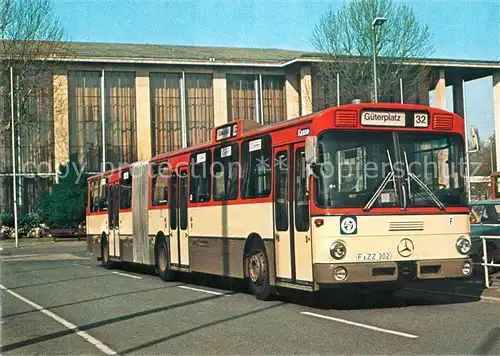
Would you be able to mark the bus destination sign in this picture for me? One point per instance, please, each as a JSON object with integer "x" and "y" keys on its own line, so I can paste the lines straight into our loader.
{"x": 381, "y": 118}
{"x": 225, "y": 132}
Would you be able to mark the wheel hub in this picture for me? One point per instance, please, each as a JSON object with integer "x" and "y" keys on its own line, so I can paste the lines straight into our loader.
{"x": 257, "y": 267}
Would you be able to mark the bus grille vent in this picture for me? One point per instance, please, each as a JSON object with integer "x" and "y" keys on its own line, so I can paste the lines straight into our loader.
{"x": 406, "y": 225}
{"x": 346, "y": 118}
{"x": 442, "y": 122}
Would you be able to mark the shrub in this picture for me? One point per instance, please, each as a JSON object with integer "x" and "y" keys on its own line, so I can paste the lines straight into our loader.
{"x": 6, "y": 219}
{"x": 28, "y": 222}
{"x": 64, "y": 205}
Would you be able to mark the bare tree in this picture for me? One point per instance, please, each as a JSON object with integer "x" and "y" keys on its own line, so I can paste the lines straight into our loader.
{"x": 31, "y": 39}
{"x": 345, "y": 37}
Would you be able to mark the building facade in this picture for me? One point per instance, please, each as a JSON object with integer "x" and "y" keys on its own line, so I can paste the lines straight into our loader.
{"x": 108, "y": 104}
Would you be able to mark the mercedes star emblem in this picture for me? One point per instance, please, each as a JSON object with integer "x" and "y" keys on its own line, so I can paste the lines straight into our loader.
{"x": 405, "y": 247}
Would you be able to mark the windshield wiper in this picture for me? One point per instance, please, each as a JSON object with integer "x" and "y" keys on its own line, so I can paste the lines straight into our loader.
{"x": 422, "y": 185}
{"x": 382, "y": 186}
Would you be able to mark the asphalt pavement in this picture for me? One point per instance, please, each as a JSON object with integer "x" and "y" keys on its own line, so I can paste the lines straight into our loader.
{"x": 58, "y": 300}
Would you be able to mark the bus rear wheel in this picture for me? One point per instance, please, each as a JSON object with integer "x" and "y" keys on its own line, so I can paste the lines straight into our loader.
{"x": 258, "y": 272}
{"x": 162, "y": 262}
{"x": 105, "y": 254}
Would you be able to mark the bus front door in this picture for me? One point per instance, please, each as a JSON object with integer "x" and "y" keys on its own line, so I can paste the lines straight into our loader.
{"x": 301, "y": 219}
{"x": 114, "y": 220}
{"x": 178, "y": 209}
{"x": 283, "y": 230}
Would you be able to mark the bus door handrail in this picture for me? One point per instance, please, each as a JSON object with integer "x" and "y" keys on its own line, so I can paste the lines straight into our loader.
{"x": 485, "y": 259}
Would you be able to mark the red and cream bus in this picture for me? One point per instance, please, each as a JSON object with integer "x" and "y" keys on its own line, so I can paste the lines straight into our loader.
{"x": 362, "y": 193}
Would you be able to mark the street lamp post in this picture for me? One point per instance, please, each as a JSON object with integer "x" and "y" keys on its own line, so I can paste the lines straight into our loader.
{"x": 378, "y": 21}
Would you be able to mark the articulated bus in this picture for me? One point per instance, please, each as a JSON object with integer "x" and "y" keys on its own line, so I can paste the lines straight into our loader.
{"x": 363, "y": 195}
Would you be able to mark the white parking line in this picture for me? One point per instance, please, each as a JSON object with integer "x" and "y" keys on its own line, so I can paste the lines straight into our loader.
{"x": 203, "y": 290}
{"x": 98, "y": 344}
{"x": 127, "y": 275}
{"x": 361, "y": 325}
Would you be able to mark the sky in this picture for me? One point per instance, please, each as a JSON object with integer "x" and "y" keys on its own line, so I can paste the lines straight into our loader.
{"x": 461, "y": 30}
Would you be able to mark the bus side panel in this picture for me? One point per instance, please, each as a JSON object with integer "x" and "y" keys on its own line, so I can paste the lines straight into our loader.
{"x": 126, "y": 236}
{"x": 218, "y": 236}
{"x": 96, "y": 225}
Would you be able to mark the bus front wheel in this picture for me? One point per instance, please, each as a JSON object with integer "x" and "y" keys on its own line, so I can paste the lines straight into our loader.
{"x": 258, "y": 272}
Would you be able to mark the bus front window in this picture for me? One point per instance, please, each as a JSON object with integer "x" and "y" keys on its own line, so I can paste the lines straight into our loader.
{"x": 353, "y": 166}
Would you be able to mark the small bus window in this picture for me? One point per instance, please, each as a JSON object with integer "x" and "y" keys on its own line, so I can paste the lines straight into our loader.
{"x": 160, "y": 185}
{"x": 126, "y": 190}
{"x": 199, "y": 189}
{"x": 103, "y": 194}
{"x": 226, "y": 172}
{"x": 256, "y": 167}
{"x": 94, "y": 196}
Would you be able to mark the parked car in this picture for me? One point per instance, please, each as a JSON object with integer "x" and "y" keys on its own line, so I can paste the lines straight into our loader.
{"x": 485, "y": 220}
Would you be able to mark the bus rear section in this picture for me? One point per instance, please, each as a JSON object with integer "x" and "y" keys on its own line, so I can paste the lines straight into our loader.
{"x": 389, "y": 205}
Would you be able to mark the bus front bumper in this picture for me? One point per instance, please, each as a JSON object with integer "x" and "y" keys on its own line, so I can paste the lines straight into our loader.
{"x": 335, "y": 273}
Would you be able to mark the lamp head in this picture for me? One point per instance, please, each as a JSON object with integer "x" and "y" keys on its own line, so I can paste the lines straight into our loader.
{"x": 378, "y": 21}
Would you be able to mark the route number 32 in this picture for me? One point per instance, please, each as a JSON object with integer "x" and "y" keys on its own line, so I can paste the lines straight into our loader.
{"x": 420, "y": 120}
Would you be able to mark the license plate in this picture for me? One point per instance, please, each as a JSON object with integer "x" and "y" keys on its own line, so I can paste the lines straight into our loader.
{"x": 375, "y": 256}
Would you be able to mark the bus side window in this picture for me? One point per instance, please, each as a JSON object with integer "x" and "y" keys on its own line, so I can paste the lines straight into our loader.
{"x": 103, "y": 194}
{"x": 256, "y": 167}
{"x": 199, "y": 182}
{"x": 159, "y": 188}
{"x": 225, "y": 169}
{"x": 94, "y": 196}
{"x": 126, "y": 190}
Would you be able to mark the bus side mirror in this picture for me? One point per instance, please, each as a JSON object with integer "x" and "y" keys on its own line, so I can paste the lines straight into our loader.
{"x": 475, "y": 142}
{"x": 311, "y": 149}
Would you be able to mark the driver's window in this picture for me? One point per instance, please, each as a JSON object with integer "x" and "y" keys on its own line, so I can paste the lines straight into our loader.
{"x": 350, "y": 163}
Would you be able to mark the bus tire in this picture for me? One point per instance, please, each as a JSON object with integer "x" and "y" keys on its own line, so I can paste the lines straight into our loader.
{"x": 257, "y": 267}
{"x": 162, "y": 261}
{"x": 105, "y": 253}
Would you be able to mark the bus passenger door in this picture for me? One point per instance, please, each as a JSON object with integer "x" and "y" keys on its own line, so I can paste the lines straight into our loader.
{"x": 178, "y": 209}
{"x": 302, "y": 233}
{"x": 174, "y": 220}
{"x": 114, "y": 220}
{"x": 283, "y": 229}
{"x": 183, "y": 233}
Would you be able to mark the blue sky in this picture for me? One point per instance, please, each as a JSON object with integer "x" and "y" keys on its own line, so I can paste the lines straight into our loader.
{"x": 462, "y": 29}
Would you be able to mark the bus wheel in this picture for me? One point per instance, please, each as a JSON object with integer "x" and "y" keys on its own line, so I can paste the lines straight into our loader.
{"x": 162, "y": 263}
{"x": 105, "y": 254}
{"x": 258, "y": 272}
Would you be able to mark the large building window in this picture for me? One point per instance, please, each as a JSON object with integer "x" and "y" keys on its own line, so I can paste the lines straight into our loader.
{"x": 241, "y": 103}
{"x": 324, "y": 89}
{"x": 5, "y": 135}
{"x": 200, "y": 109}
{"x": 273, "y": 99}
{"x": 35, "y": 124}
{"x": 121, "y": 143}
{"x": 256, "y": 97}
{"x": 85, "y": 122}
{"x": 166, "y": 112}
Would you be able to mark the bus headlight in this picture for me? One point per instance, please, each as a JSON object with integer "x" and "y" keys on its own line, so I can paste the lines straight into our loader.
{"x": 463, "y": 245}
{"x": 338, "y": 250}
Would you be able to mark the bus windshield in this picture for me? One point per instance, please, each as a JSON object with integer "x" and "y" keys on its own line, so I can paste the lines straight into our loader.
{"x": 353, "y": 166}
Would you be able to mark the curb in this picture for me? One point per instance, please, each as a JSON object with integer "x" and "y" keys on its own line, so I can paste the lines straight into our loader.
{"x": 451, "y": 294}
